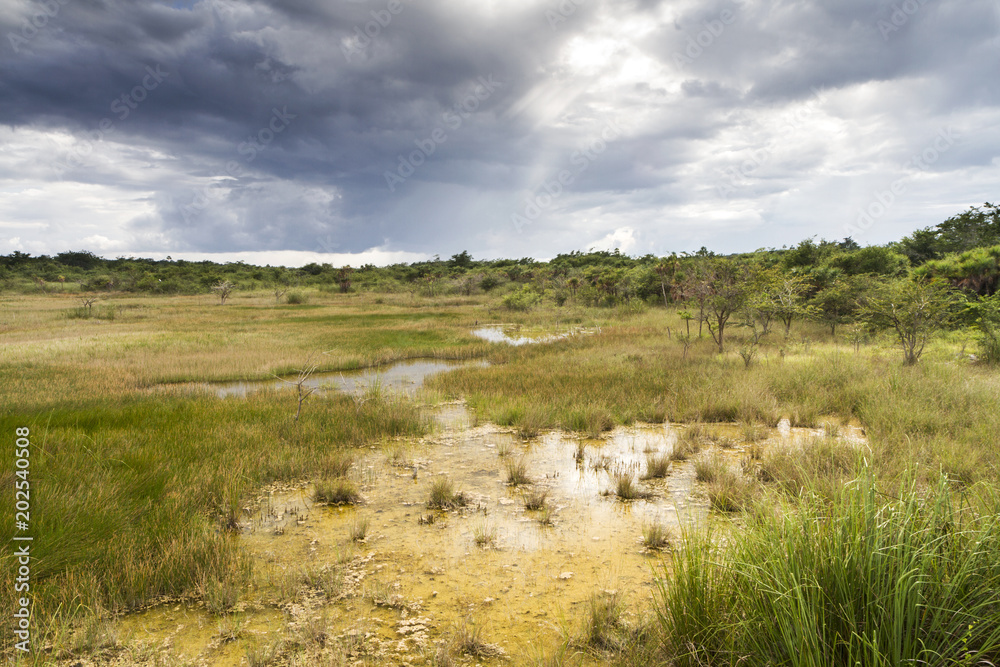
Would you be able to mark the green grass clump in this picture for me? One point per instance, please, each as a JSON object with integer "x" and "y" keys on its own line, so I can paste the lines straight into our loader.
{"x": 870, "y": 579}
{"x": 657, "y": 466}
{"x": 335, "y": 464}
{"x": 359, "y": 529}
{"x": 820, "y": 465}
{"x": 709, "y": 467}
{"x": 730, "y": 491}
{"x": 656, "y": 536}
{"x": 516, "y": 472}
{"x": 535, "y": 500}
{"x": 688, "y": 443}
{"x": 336, "y": 492}
{"x": 444, "y": 497}
{"x": 484, "y": 535}
{"x": 625, "y": 488}
{"x": 602, "y": 621}
{"x": 752, "y": 432}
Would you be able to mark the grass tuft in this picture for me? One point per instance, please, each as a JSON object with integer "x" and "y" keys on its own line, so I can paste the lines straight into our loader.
{"x": 656, "y": 536}
{"x": 359, "y": 529}
{"x": 657, "y": 466}
{"x": 336, "y": 492}
{"x": 869, "y": 578}
{"x": 517, "y": 472}
{"x": 602, "y": 622}
{"x": 484, "y": 535}
{"x": 625, "y": 487}
{"x": 444, "y": 497}
{"x": 535, "y": 500}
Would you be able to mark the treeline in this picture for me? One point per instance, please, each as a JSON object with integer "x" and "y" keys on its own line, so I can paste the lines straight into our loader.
{"x": 960, "y": 249}
{"x": 949, "y": 273}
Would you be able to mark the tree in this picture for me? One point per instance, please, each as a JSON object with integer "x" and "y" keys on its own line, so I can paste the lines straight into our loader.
{"x": 344, "y": 279}
{"x": 666, "y": 270}
{"x": 223, "y": 288}
{"x": 977, "y": 227}
{"x": 912, "y": 310}
{"x": 835, "y": 303}
{"x": 302, "y": 385}
{"x": 788, "y": 302}
{"x": 986, "y": 312}
{"x": 727, "y": 282}
{"x": 462, "y": 260}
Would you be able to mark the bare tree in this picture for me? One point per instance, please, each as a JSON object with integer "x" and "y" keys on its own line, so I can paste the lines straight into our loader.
{"x": 279, "y": 292}
{"x": 303, "y": 391}
{"x": 88, "y": 302}
{"x": 223, "y": 288}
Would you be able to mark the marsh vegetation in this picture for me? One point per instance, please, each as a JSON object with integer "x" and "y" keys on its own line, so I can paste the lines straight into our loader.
{"x": 809, "y": 443}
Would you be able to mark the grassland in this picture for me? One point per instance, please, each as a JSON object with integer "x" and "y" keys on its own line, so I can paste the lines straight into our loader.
{"x": 135, "y": 477}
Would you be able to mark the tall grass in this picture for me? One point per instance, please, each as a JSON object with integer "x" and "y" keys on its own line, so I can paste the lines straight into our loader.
{"x": 870, "y": 580}
{"x": 909, "y": 413}
{"x": 129, "y": 495}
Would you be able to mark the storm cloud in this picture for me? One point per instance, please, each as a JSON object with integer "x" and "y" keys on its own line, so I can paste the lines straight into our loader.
{"x": 389, "y": 130}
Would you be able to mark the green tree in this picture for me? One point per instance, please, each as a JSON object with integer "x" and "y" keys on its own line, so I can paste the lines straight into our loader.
{"x": 728, "y": 281}
{"x": 462, "y": 260}
{"x": 986, "y": 314}
{"x": 836, "y": 303}
{"x": 913, "y": 311}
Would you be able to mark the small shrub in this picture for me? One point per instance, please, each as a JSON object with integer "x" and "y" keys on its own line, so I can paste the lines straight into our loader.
{"x": 295, "y": 298}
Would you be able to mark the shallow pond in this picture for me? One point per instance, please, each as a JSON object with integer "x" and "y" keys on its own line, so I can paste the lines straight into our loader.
{"x": 421, "y": 575}
{"x": 517, "y": 335}
{"x": 404, "y": 377}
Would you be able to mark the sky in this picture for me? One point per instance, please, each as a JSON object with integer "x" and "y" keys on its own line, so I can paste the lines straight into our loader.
{"x": 383, "y": 131}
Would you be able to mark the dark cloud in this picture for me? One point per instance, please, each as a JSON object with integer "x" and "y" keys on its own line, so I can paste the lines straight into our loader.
{"x": 420, "y": 125}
